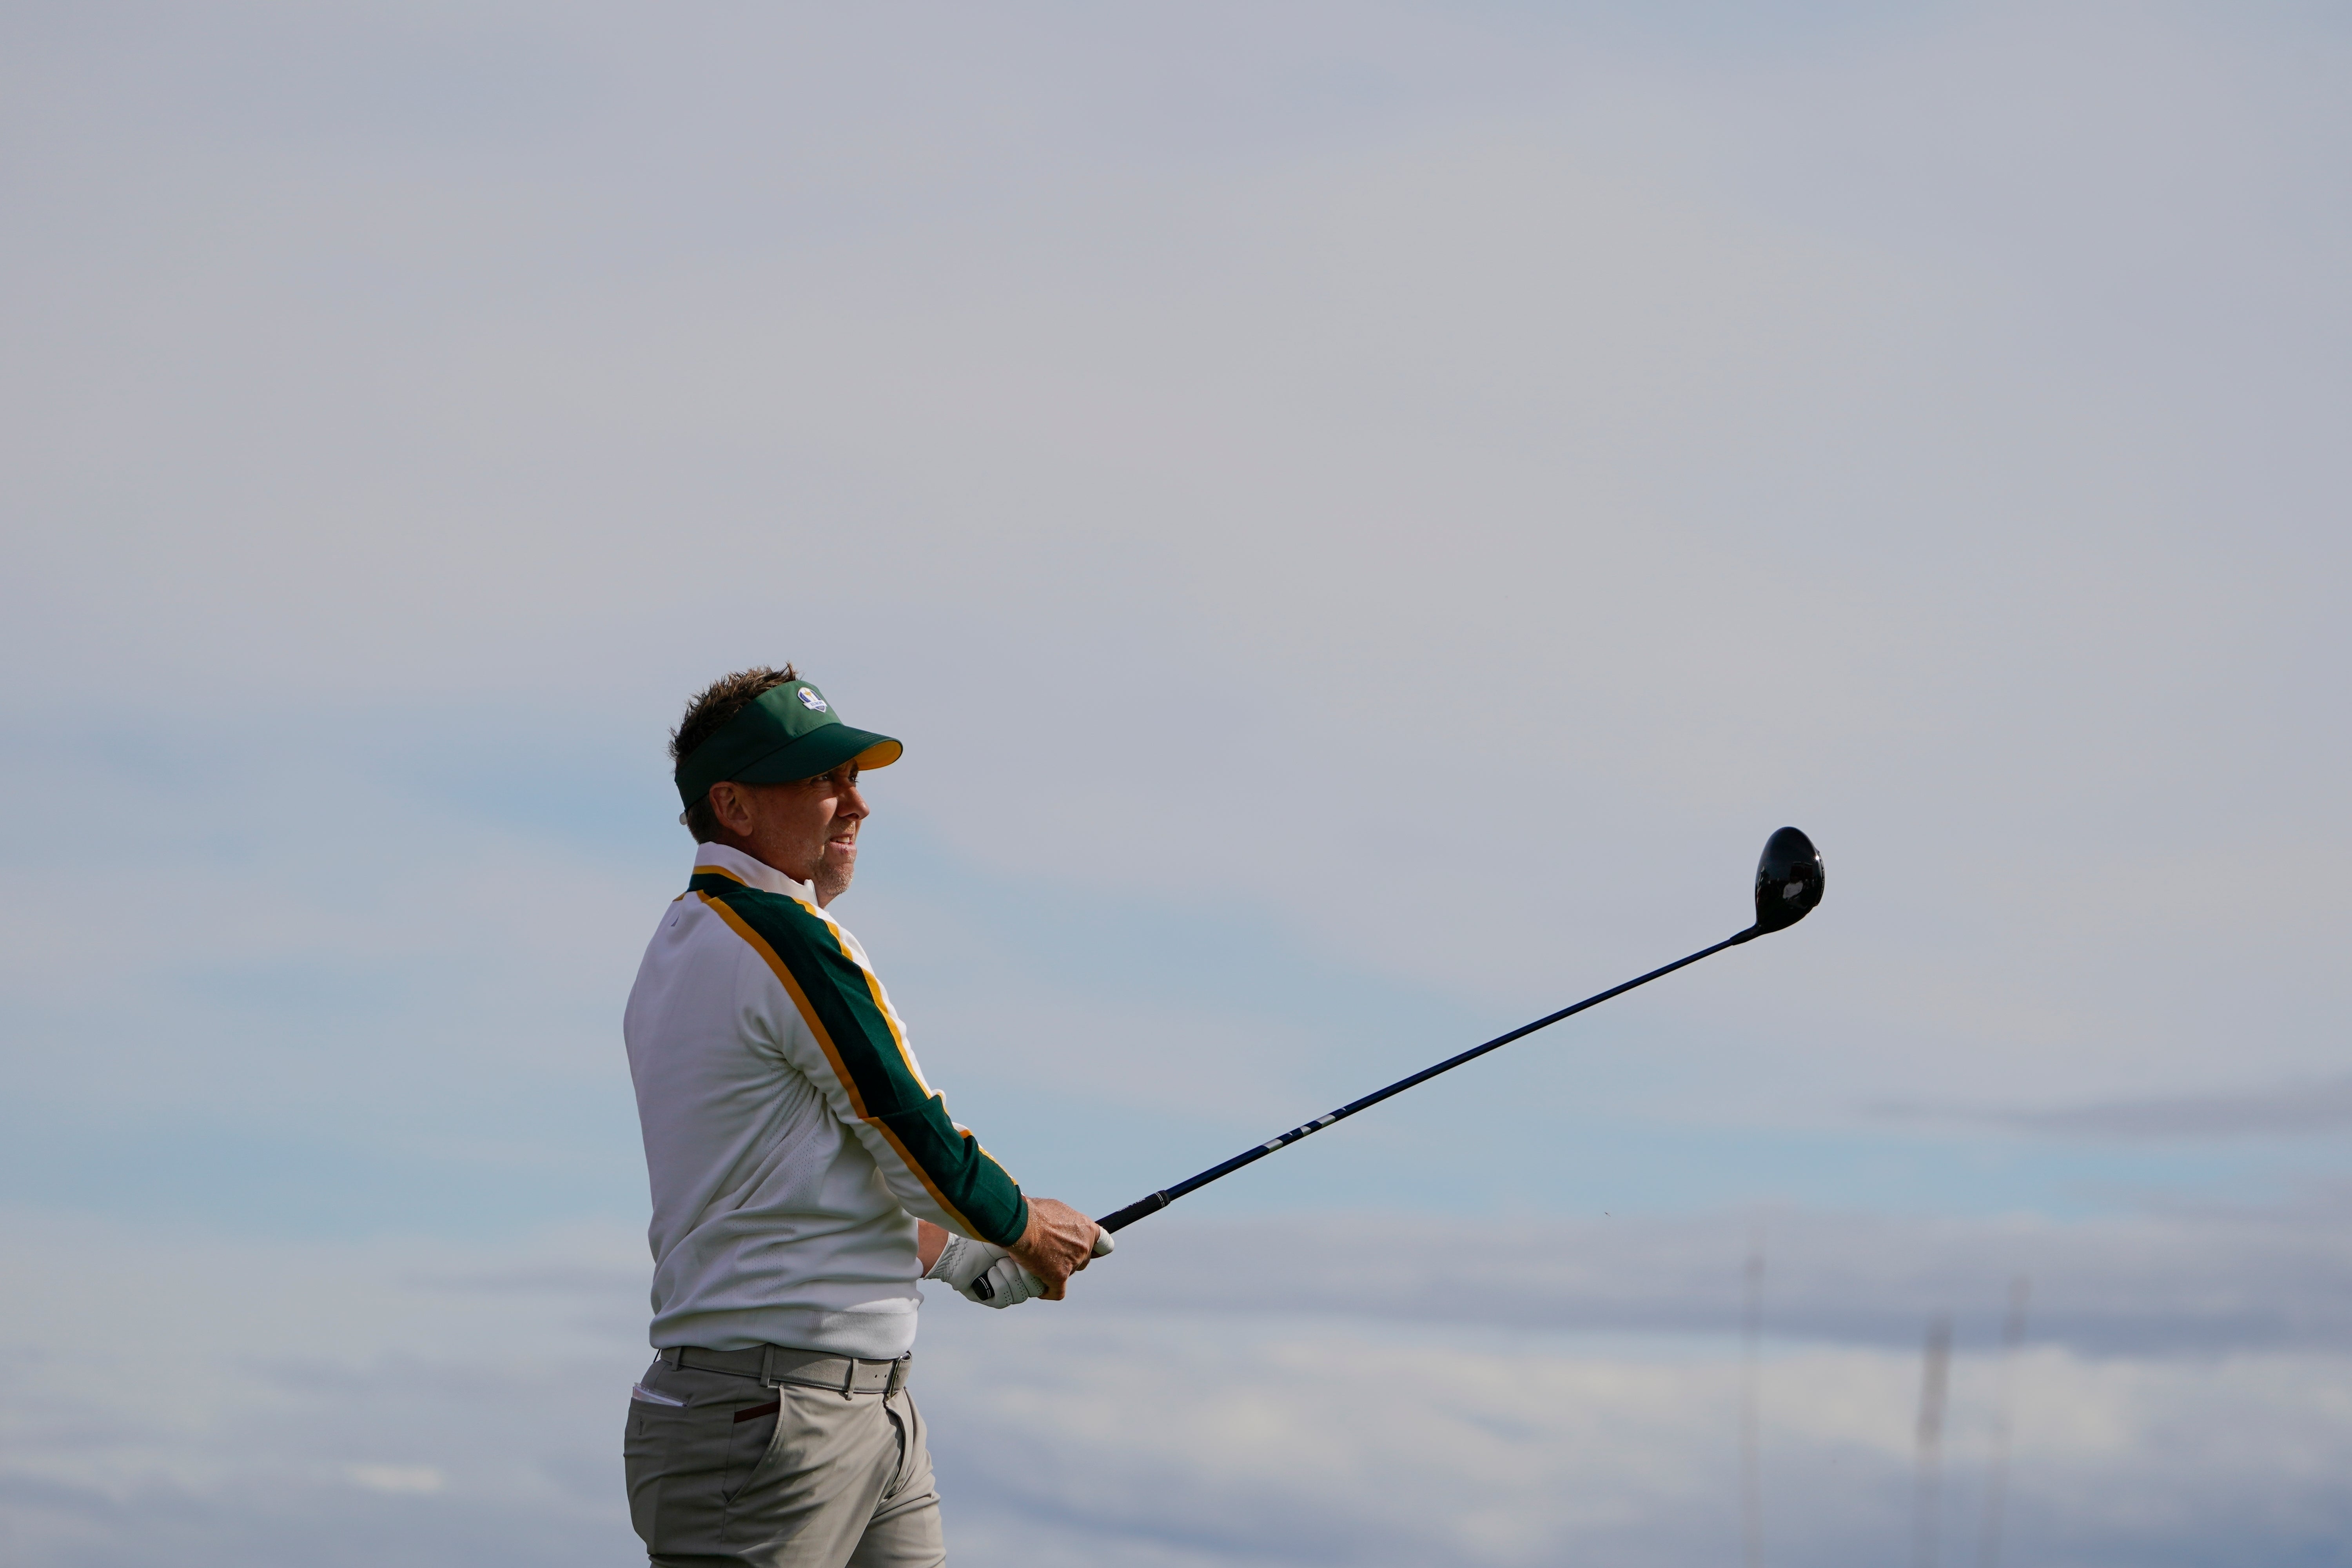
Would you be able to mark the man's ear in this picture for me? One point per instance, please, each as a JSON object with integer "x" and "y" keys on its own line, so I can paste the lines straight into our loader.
{"x": 732, "y": 810}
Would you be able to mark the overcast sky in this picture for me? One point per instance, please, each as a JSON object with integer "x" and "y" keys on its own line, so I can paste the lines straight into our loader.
{"x": 1365, "y": 517}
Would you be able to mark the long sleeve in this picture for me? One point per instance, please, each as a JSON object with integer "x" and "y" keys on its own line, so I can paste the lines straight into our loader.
{"x": 851, "y": 1045}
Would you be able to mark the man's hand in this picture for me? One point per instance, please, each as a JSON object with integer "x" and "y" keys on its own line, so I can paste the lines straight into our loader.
{"x": 981, "y": 1272}
{"x": 1057, "y": 1244}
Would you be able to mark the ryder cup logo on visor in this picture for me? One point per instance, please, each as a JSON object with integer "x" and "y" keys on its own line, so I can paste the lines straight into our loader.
{"x": 815, "y": 703}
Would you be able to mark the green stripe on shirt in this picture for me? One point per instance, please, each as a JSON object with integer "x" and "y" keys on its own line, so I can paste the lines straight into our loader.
{"x": 963, "y": 1175}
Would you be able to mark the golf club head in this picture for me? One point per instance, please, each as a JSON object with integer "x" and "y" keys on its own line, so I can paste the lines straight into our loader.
{"x": 1787, "y": 881}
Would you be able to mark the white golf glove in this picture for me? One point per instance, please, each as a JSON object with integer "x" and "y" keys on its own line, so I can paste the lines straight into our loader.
{"x": 985, "y": 1274}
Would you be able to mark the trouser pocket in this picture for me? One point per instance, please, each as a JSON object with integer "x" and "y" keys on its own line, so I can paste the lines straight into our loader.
{"x": 687, "y": 1462}
{"x": 820, "y": 1478}
{"x": 759, "y": 1431}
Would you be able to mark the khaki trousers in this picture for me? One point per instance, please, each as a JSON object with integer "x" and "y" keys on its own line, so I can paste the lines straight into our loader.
{"x": 779, "y": 1458}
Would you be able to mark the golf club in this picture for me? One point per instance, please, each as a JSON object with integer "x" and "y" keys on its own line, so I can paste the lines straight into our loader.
{"x": 1787, "y": 885}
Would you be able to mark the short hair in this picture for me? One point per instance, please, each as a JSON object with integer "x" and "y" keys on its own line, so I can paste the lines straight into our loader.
{"x": 706, "y": 716}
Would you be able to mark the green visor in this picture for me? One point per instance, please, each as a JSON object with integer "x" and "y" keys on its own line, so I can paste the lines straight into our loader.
{"x": 788, "y": 732}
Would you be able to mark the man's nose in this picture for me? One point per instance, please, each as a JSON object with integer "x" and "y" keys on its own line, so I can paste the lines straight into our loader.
{"x": 853, "y": 803}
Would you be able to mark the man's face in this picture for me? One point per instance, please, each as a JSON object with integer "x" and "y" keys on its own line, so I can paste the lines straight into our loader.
{"x": 807, "y": 829}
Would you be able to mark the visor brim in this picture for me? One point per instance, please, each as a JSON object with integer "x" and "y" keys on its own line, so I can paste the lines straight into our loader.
{"x": 820, "y": 752}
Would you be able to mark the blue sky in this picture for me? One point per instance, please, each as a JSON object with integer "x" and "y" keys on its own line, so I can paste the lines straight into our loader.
{"x": 1365, "y": 517}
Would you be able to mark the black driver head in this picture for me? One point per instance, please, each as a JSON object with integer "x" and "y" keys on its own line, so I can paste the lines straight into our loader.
{"x": 1787, "y": 880}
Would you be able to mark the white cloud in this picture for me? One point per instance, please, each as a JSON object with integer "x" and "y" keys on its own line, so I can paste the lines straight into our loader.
{"x": 423, "y": 1395}
{"x": 400, "y": 1481}
{"x": 1534, "y": 491}
{"x": 1426, "y": 488}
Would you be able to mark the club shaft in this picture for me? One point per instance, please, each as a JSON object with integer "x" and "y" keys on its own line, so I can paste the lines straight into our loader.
{"x": 1159, "y": 1200}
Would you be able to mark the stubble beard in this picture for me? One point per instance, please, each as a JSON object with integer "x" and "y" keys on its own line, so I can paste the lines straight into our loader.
{"x": 832, "y": 878}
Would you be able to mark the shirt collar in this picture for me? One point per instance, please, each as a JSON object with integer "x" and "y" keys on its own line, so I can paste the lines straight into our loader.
{"x": 749, "y": 872}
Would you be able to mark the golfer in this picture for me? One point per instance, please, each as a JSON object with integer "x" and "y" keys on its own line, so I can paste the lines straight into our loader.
{"x": 804, "y": 1173}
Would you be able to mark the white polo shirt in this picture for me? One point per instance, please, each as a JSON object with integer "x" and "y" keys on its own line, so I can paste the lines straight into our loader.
{"x": 791, "y": 1138}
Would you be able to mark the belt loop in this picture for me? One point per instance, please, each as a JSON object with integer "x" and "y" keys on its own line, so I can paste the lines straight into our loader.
{"x": 898, "y": 1376}
{"x": 849, "y": 1379}
{"x": 766, "y": 1353}
{"x": 670, "y": 1354}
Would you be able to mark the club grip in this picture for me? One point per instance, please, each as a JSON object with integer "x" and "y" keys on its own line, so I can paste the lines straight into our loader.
{"x": 1133, "y": 1212}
